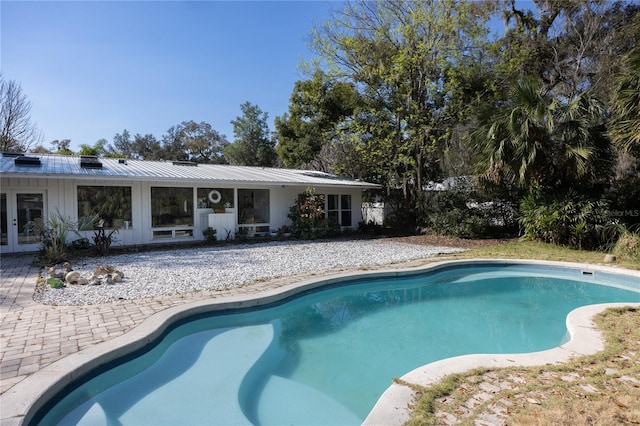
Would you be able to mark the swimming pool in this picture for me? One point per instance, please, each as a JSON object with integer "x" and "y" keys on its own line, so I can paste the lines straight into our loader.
{"x": 326, "y": 356}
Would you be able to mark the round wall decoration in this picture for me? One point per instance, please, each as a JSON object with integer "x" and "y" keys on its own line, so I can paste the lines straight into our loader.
{"x": 214, "y": 196}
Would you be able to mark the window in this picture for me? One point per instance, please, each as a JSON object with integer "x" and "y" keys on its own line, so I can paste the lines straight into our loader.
{"x": 345, "y": 210}
{"x": 332, "y": 209}
{"x": 171, "y": 207}
{"x": 214, "y": 198}
{"x": 339, "y": 209}
{"x": 110, "y": 203}
{"x": 253, "y": 206}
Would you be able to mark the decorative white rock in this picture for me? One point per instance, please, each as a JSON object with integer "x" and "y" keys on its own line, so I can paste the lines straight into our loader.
{"x": 153, "y": 274}
{"x": 72, "y": 277}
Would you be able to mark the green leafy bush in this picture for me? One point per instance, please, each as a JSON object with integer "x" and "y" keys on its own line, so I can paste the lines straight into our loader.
{"x": 55, "y": 234}
{"x": 399, "y": 214}
{"x": 467, "y": 214}
{"x": 210, "y": 235}
{"x": 624, "y": 197}
{"x": 242, "y": 234}
{"x": 566, "y": 220}
{"x": 370, "y": 228}
{"x": 308, "y": 217}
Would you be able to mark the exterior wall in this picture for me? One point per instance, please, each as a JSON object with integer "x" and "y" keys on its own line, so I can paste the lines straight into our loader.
{"x": 281, "y": 201}
{"x": 60, "y": 195}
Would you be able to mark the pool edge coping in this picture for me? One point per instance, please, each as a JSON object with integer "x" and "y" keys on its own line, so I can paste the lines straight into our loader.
{"x": 392, "y": 408}
{"x": 23, "y": 401}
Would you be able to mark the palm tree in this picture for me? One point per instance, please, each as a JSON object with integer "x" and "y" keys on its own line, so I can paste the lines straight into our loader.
{"x": 584, "y": 152}
{"x": 539, "y": 140}
{"x": 625, "y": 123}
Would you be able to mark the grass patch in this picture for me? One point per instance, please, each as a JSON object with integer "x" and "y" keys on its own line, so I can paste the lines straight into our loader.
{"x": 601, "y": 389}
{"x": 517, "y": 249}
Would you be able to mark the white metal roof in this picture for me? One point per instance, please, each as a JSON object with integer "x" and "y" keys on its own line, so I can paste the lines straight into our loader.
{"x": 66, "y": 166}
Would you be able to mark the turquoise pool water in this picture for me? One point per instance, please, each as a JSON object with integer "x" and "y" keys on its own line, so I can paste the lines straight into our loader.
{"x": 326, "y": 357}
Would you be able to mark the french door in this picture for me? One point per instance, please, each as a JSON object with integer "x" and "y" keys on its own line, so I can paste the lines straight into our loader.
{"x": 22, "y": 217}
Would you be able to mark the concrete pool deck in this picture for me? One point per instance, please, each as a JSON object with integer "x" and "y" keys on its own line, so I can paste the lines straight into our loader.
{"x": 45, "y": 347}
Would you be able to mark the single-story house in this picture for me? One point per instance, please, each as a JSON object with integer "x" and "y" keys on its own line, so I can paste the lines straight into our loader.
{"x": 159, "y": 201}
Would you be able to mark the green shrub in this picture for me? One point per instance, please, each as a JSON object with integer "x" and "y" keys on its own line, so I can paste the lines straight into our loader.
{"x": 55, "y": 233}
{"x": 467, "y": 214}
{"x": 370, "y": 228}
{"x": 308, "y": 217}
{"x": 624, "y": 197}
{"x": 565, "y": 220}
{"x": 457, "y": 222}
{"x": 241, "y": 235}
{"x": 210, "y": 235}
{"x": 399, "y": 214}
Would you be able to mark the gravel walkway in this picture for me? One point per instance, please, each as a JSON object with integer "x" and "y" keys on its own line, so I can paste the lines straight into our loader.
{"x": 156, "y": 273}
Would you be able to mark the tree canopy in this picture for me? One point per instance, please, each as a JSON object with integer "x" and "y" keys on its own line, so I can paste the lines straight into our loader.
{"x": 253, "y": 145}
{"x": 625, "y": 125}
{"x": 317, "y": 107}
{"x": 389, "y": 65}
{"x": 540, "y": 140}
{"x": 187, "y": 141}
{"x": 405, "y": 92}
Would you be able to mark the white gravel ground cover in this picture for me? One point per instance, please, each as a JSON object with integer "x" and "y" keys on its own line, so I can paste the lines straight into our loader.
{"x": 156, "y": 273}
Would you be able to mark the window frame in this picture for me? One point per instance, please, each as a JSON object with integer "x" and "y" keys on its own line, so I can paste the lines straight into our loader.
{"x": 340, "y": 213}
{"x": 247, "y": 218}
{"x": 163, "y": 230}
{"x": 110, "y": 223}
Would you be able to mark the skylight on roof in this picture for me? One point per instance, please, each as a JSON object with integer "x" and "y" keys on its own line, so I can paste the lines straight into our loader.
{"x": 23, "y": 160}
{"x": 90, "y": 162}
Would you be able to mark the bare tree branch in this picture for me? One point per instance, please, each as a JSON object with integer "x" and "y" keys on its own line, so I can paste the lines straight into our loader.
{"x": 17, "y": 133}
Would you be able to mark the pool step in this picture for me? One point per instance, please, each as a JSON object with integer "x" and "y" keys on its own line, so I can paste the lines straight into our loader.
{"x": 285, "y": 402}
{"x": 211, "y": 384}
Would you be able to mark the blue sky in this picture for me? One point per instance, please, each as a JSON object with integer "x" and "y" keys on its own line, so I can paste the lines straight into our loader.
{"x": 94, "y": 68}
